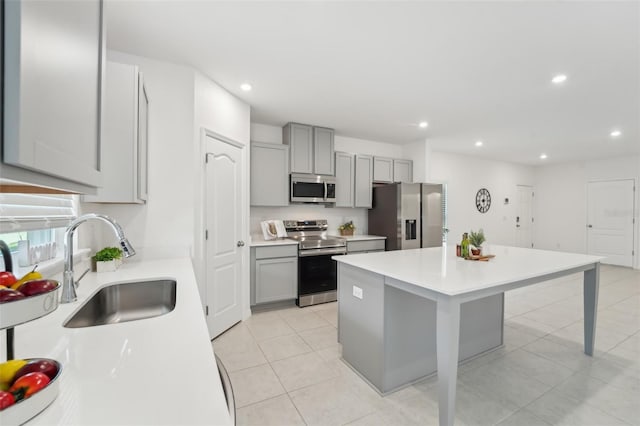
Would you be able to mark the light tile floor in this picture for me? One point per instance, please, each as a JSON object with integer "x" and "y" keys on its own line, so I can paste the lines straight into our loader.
{"x": 285, "y": 366}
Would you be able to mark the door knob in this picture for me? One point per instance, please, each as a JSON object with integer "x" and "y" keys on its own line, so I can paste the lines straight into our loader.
{"x": 240, "y": 244}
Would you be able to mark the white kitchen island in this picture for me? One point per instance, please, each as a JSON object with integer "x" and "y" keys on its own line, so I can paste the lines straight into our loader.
{"x": 403, "y": 315}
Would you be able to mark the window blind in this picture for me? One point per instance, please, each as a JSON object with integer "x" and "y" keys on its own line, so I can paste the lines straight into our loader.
{"x": 24, "y": 212}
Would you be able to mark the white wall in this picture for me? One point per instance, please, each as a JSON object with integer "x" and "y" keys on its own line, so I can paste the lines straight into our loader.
{"x": 265, "y": 133}
{"x": 420, "y": 153}
{"x": 363, "y": 146}
{"x": 560, "y": 208}
{"x": 182, "y": 102}
{"x": 166, "y": 221}
{"x": 561, "y": 201}
{"x": 334, "y": 216}
{"x": 464, "y": 176}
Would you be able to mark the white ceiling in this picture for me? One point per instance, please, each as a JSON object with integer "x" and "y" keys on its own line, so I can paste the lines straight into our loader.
{"x": 373, "y": 70}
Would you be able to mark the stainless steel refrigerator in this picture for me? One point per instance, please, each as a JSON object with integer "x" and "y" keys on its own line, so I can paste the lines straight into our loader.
{"x": 410, "y": 215}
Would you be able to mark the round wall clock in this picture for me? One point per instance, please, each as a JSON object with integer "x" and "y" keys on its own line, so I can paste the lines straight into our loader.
{"x": 483, "y": 200}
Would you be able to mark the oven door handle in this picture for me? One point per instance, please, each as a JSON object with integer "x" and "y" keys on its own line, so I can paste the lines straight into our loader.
{"x": 319, "y": 252}
{"x": 325, "y": 190}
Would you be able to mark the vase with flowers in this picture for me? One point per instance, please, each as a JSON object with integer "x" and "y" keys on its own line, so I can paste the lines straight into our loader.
{"x": 476, "y": 239}
{"x": 347, "y": 228}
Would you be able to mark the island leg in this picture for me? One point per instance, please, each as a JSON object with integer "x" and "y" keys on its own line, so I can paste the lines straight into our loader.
{"x": 448, "y": 342}
{"x": 591, "y": 285}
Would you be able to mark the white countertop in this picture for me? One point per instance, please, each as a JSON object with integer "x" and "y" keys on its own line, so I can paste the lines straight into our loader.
{"x": 154, "y": 371}
{"x": 441, "y": 271}
{"x": 258, "y": 240}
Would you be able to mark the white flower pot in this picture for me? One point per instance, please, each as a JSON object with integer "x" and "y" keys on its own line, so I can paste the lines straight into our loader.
{"x": 108, "y": 266}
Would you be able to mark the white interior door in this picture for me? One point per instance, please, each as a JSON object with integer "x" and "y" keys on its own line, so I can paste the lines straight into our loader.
{"x": 610, "y": 220}
{"x": 524, "y": 216}
{"x": 224, "y": 245}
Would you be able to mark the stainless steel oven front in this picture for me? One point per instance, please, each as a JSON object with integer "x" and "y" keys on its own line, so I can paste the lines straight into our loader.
{"x": 318, "y": 275}
{"x": 317, "y": 272}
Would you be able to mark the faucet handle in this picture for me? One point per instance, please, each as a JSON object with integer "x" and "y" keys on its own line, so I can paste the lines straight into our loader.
{"x": 77, "y": 282}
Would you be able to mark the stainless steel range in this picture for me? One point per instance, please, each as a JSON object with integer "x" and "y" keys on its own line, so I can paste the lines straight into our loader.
{"x": 317, "y": 272}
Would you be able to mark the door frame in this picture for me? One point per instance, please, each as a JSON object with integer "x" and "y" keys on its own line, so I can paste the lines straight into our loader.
{"x": 200, "y": 251}
{"x": 634, "y": 214}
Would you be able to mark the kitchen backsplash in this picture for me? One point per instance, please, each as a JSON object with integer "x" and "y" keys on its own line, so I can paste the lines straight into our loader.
{"x": 336, "y": 216}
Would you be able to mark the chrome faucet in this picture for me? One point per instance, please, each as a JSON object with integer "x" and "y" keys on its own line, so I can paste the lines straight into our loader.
{"x": 68, "y": 283}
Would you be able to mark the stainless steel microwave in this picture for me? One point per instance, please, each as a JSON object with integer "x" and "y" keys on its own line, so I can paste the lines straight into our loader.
{"x": 313, "y": 188}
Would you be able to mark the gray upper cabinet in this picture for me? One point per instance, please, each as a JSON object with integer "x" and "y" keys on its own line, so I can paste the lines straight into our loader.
{"x": 300, "y": 139}
{"x": 345, "y": 179}
{"x": 124, "y": 133}
{"x": 323, "y": 151}
{"x": 52, "y": 113}
{"x": 354, "y": 180}
{"x": 143, "y": 140}
{"x": 311, "y": 148}
{"x": 390, "y": 170}
{"x": 402, "y": 171}
{"x": 383, "y": 169}
{"x": 269, "y": 174}
{"x": 363, "y": 180}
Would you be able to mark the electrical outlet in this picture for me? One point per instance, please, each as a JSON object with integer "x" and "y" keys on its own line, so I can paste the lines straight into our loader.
{"x": 357, "y": 292}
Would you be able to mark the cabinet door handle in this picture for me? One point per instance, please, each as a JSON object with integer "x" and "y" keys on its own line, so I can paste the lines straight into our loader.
{"x": 589, "y": 226}
{"x": 240, "y": 243}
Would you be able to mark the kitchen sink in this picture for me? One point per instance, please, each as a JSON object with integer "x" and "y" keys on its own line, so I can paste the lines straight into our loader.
{"x": 123, "y": 302}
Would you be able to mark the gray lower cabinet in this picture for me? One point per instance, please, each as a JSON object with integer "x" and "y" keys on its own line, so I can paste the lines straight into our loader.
{"x": 274, "y": 273}
{"x": 365, "y": 246}
{"x": 269, "y": 174}
{"x": 402, "y": 171}
{"x": 378, "y": 332}
{"x": 345, "y": 178}
{"x": 363, "y": 181}
{"x": 124, "y": 134}
{"x": 53, "y": 54}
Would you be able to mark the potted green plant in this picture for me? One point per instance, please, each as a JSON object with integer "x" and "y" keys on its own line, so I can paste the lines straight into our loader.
{"x": 107, "y": 260}
{"x": 347, "y": 228}
{"x": 476, "y": 239}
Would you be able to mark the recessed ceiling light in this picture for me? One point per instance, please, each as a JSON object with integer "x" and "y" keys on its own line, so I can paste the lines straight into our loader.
{"x": 423, "y": 124}
{"x": 478, "y": 143}
{"x": 245, "y": 86}
{"x": 615, "y": 133}
{"x": 543, "y": 156}
{"x": 559, "y": 79}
